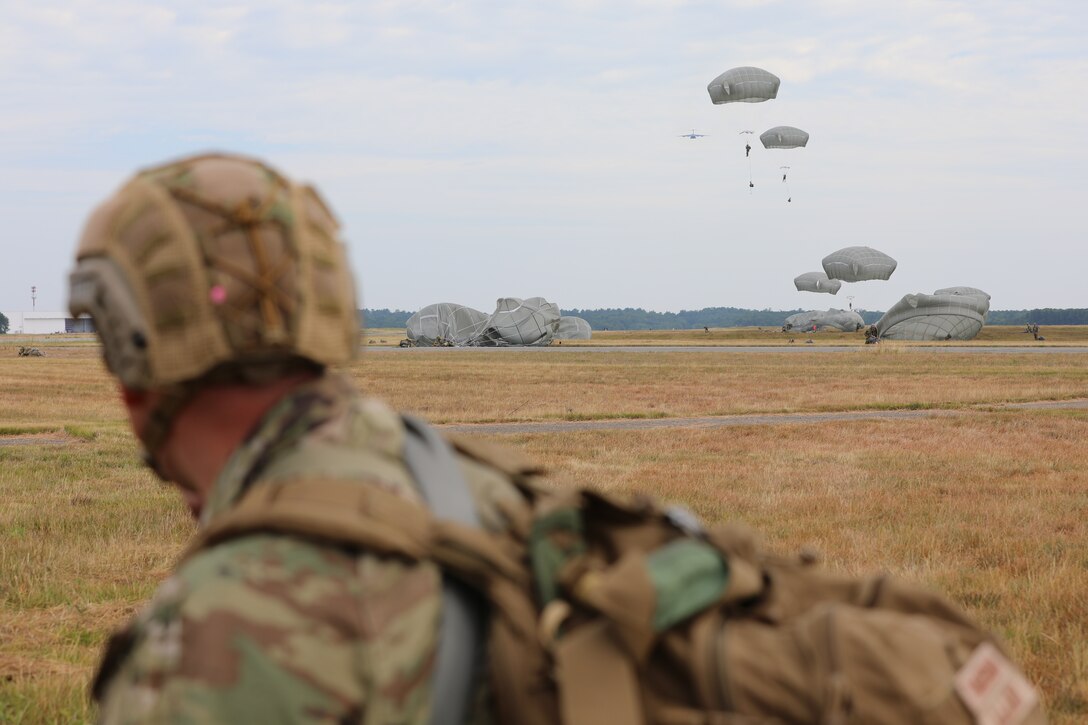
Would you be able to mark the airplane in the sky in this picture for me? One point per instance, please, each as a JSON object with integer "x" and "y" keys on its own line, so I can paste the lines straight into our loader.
{"x": 692, "y": 134}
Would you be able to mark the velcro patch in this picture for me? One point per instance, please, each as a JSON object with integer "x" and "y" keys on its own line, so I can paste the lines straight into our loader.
{"x": 993, "y": 689}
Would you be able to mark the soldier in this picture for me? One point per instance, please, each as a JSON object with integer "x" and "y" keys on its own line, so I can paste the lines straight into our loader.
{"x": 222, "y": 295}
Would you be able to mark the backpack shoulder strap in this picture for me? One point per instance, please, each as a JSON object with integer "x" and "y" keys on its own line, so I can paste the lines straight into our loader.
{"x": 464, "y": 612}
{"x": 382, "y": 522}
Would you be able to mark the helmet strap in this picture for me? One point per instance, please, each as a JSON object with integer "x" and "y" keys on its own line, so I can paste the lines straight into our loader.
{"x": 161, "y": 420}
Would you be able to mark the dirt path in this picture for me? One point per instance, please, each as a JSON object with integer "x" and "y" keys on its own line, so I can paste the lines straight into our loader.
{"x": 723, "y": 421}
{"x": 36, "y": 439}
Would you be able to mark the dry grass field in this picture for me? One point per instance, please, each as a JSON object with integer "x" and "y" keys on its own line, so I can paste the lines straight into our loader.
{"x": 989, "y": 506}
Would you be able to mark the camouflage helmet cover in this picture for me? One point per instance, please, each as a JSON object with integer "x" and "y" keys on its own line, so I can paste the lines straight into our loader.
{"x": 213, "y": 259}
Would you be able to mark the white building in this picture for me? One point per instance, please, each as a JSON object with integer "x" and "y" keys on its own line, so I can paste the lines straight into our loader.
{"x": 45, "y": 322}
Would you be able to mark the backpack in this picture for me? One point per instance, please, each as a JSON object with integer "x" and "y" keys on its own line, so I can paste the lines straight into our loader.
{"x": 604, "y": 609}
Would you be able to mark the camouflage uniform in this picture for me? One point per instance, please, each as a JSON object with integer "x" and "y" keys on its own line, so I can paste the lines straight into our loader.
{"x": 272, "y": 628}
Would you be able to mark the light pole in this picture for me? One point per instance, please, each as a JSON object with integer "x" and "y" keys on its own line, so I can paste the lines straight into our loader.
{"x": 33, "y": 298}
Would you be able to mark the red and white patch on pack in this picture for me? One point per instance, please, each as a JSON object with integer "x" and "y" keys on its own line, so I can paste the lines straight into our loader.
{"x": 993, "y": 689}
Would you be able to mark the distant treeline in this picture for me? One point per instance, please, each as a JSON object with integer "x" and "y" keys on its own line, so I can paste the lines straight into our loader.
{"x": 636, "y": 318}
{"x": 384, "y": 317}
{"x": 639, "y": 319}
{"x": 1044, "y": 316}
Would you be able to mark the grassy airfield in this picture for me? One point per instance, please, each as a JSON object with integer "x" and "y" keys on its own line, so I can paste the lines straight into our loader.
{"x": 990, "y": 506}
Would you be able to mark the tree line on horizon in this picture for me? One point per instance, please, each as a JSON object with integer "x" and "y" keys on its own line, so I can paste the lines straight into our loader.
{"x": 636, "y": 318}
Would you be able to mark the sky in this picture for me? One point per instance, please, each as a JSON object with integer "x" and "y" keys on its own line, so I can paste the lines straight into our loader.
{"x": 477, "y": 150}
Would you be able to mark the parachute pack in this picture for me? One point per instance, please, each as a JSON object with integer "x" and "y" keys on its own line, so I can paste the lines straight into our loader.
{"x": 599, "y": 609}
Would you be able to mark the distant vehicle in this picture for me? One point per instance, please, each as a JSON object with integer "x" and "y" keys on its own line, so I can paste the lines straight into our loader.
{"x": 692, "y": 134}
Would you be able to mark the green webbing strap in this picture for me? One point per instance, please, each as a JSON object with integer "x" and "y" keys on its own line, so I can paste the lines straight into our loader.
{"x": 688, "y": 576}
{"x": 555, "y": 539}
{"x": 464, "y": 612}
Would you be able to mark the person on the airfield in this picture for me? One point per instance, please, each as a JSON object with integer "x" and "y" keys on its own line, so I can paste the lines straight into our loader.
{"x": 222, "y": 295}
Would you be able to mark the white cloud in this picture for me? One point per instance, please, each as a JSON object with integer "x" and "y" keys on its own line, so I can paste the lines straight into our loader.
{"x": 433, "y": 125}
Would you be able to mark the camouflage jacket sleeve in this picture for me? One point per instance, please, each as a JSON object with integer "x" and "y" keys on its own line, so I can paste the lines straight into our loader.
{"x": 274, "y": 629}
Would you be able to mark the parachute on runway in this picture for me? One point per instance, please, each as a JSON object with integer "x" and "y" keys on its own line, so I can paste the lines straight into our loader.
{"x": 953, "y": 316}
{"x": 532, "y": 321}
{"x": 844, "y": 320}
{"x": 972, "y": 291}
{"x": 445, "y": 323}
{"x": 816, "y": 282}
{"x": 573, "y": 328}
{"x": 784, "y": 137}
{"x": 857, "y": 264}
{"x": 743, "y": 85}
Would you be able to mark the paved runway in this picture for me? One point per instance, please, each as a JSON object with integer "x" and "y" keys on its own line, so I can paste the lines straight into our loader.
{"x": 724, "y": 421}
{"x": 32, "y": 441}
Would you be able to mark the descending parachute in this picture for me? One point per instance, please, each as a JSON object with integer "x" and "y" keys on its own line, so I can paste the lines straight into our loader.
{"x": 816, "y": 282}
{"x": 784, "y": 137}
{"x": 955, "y": 316}
{"x": 573, "y": 328}
{"x": 844, "y": 320}
{"x": 857, "y": 264}
{"x": 744, "y": 85}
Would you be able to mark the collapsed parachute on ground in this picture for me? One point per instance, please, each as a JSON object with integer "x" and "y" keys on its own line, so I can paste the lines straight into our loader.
{"x": 445, "y": 323}
{"x": 955, "y": 316}
{"x": 816, "y": 282}
{"x": 784, "y": 137}
{"x": 744, "y": 85}
{"x": 532, "y": 321}
{"x": 844, "y": 320}
{"x": 858, "y": 264}
{"x": 573, "y": 328}
{"x": 971, "y": 291}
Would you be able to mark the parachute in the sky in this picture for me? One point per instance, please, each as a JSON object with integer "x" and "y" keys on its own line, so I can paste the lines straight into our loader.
{"x": 784, "y": 137}
{"x": 857, "y": 264}
{"x": 935, "y": 317}
{"x": 743, "y": 85}
{"x": 445, "y": 323}
{"x": 573, "y": 328}
{"x": 816, "y": 282}
{"x": 844, "y": 320}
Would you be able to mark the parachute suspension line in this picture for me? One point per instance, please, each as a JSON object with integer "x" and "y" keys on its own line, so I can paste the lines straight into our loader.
{"x": 748, "y": 155}
{"x": 785, "y": 180}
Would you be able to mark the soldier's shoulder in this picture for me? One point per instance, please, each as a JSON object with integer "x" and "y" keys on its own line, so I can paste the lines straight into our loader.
{"x": 269, "y": 619}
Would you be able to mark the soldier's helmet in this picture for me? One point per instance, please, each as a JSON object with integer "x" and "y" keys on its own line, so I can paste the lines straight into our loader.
{"x": 209, "y": 263}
